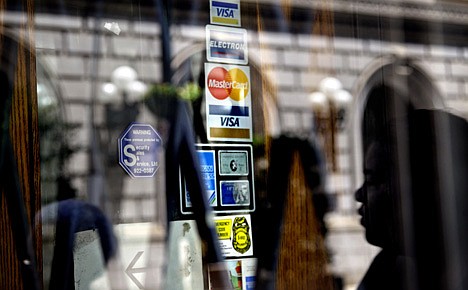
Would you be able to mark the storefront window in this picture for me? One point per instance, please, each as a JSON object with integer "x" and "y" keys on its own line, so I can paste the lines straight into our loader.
{"x": 235, "y": 144}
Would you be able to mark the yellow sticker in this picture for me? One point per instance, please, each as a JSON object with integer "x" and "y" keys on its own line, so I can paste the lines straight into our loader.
{"x": 223, "y": 228}
{"x": 241, "y": 238}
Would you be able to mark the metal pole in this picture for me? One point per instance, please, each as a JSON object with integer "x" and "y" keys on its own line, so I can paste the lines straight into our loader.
{"x": 164, "y": 8}
{"x": 96, "y": 179}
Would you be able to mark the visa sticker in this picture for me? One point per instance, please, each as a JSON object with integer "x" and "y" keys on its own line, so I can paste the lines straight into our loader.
{"x": 225, "y": 12}
{"x": 228, "y": 102}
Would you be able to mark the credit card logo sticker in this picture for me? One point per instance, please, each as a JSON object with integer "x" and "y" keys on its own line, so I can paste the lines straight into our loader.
{"x": 228, "y": 177}
{"x": 226, "y": 44}
{"x": 208, "y": 171}
{"x": 224, "y": 83}
{"x": 233, "y": 163}
{"x": 225, "y": 12}
{"x": 236, "y": 192}
{"x": 228, "y": 102}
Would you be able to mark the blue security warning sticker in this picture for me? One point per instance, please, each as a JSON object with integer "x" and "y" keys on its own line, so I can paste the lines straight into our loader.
{"x": 225, "y": 12}
{"x": 139, "y": 148}
{"x": 226, "y": 44}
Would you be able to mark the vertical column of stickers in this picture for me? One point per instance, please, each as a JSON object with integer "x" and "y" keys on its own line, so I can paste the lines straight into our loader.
{"x": 228, "y": 100}
{"x": 228, "y": 96}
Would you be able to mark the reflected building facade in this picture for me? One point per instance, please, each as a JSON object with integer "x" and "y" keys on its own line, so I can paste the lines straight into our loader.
{"x": 292, "y": 47}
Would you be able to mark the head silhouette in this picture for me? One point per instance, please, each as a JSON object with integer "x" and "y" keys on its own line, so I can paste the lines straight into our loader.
{"x": 375, "y": 196}
{"x": 379, "y": 194}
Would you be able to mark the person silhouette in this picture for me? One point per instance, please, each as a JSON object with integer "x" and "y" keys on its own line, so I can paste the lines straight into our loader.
{"x": 413, "y": 200}
{"x": 380, "y": 195}
{"x": 381, "y": 223}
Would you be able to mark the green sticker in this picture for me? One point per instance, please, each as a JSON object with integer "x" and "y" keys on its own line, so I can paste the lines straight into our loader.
{"x": 233, "y": 163}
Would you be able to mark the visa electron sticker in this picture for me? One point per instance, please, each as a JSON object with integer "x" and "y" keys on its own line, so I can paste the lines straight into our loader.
{"x": 228, "y": 102}
{"x": 226, "y": 44}
{"x": 235, "y": 235}
{"x": 225, "y": 12}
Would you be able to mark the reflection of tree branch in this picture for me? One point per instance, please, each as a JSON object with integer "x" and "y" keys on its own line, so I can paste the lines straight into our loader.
{"x": 200, "y": 130}
{"x": 158, "y": 97}
{"x": 117, "y": 120}
{"x": 55, "y": 151}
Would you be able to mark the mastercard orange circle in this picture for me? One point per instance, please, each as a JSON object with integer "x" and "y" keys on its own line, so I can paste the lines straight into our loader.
{"x": 240, "y": 84}
{"x": 233, "y": 83}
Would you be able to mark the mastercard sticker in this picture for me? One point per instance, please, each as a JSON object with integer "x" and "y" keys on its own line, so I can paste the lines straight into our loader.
{"x": 228, "y": 102}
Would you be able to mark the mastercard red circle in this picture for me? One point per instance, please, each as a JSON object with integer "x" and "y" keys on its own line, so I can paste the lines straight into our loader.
{"x": 219, "y": 83}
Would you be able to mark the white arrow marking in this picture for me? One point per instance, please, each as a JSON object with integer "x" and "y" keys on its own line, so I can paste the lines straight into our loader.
{"x": 130, "y": 270}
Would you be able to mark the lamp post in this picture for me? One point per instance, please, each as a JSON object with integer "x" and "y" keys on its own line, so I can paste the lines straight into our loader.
{"x": 125, "y": 83}
{"x": 330, "y": 105}
{"x": 121, "y": 98}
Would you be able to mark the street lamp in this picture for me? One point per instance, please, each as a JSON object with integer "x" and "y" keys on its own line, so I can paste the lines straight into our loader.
{"x": 125, "y": 83}
{"x": 121, "y": 98}
{"x": 330, "y": 105}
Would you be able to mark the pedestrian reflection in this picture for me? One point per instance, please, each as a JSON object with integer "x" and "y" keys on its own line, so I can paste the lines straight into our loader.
{"x": 75, "y": 222}
{"x": 414, "y": 163}
{"x": 381, "y": 221}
